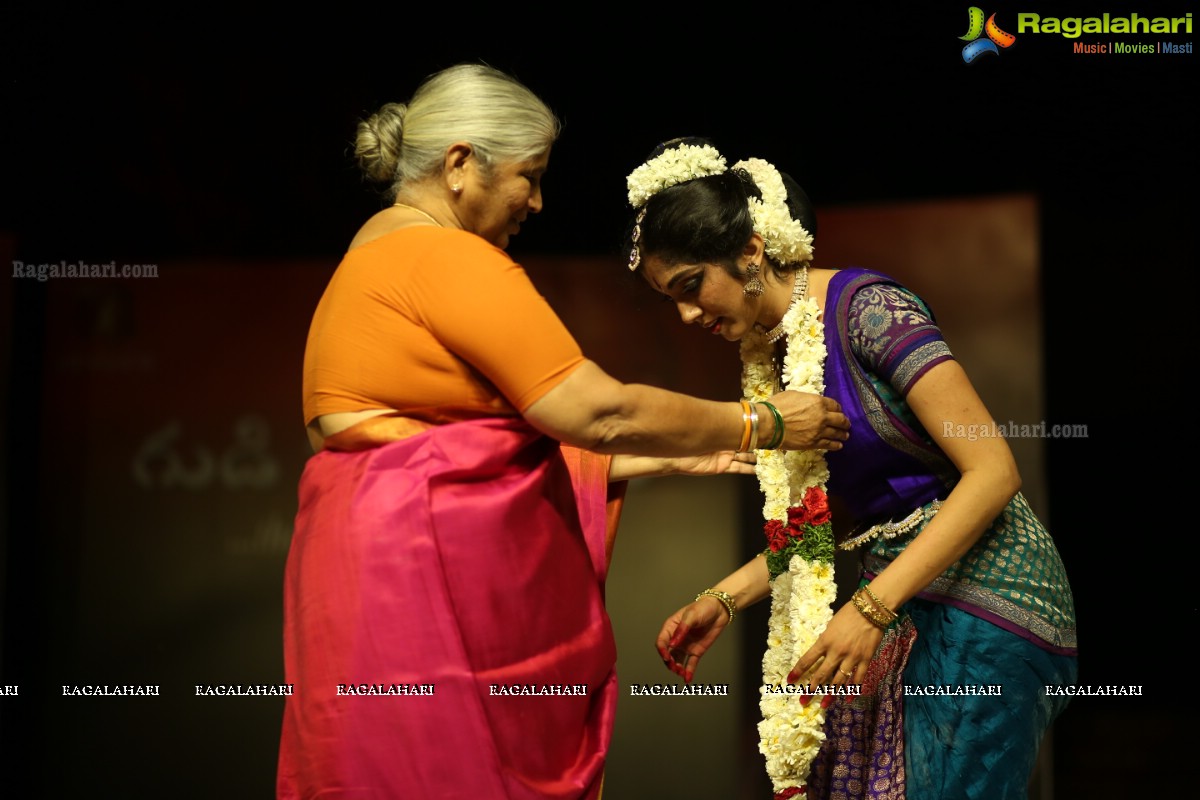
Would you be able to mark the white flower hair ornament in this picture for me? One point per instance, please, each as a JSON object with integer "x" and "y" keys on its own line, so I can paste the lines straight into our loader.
{"x": 677, "y": 165}
{"x": 785, "y": 239}
{"x": 674, "y": 166}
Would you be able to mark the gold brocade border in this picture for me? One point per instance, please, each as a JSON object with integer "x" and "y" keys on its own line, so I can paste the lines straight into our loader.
{"x": 986, "y": 600}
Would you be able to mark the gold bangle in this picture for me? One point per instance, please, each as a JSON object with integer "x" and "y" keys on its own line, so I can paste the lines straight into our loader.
{"x": 867, "y": 610}
{"x": 861, "y": 604}
{"x": 725, "y": 598}
{"x": 746, "y": 427}
{"x": 882, "y": 606}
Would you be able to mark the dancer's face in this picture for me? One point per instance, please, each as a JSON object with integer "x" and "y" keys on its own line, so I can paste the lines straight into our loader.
{"x": 704, "y": 294}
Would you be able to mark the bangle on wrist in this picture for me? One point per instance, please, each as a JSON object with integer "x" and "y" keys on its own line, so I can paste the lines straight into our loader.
{"x": 879, "y": 604}
{"x": 753, "y": 427}
{"x": 725, "y": 599}
{"x": 870, "y": 611}
{"x": 747, "y": 428}
{"x": 777, "y": 437}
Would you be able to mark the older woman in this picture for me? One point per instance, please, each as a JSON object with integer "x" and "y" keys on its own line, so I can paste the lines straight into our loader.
{"x": 962, "y": 588}
{"x": 444, "y": 619}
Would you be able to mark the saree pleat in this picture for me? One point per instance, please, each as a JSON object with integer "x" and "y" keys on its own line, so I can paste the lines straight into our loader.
{"x": 864, "y": 754}
{"x": 462, "y": 558}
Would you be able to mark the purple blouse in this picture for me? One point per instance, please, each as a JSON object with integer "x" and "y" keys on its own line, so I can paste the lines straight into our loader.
{"x": 880, "y": 339}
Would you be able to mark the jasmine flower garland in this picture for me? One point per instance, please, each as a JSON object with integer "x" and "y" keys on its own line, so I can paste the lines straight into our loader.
{"x": 799, "y": 533}
{"x": 677, "y": 165}
{"x": 799, "y": 553}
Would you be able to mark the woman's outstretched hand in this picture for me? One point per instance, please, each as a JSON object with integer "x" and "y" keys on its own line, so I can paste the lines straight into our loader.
{"x": 811, "y": 421}
{"x": 688, "y": 633}
{"x": 723, "y": 462}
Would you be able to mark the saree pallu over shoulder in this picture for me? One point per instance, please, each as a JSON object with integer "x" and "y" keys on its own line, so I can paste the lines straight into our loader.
{"x": 894, "y": 477}
{"x": 419, "y": 673}
{"x": 887, "y": 468}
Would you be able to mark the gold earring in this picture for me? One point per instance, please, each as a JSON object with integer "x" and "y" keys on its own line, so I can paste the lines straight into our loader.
{"x": 753, "y": 287}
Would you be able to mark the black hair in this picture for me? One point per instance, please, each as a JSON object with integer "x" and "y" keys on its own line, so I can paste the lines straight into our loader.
{"x": 706, "y": 220}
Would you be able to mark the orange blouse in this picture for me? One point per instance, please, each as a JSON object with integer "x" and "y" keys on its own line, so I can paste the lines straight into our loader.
{"x": 435, "y": 323}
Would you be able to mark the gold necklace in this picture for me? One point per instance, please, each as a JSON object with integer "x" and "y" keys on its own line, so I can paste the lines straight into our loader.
{"x": 419, "y": 211}
{"x": 799, "y": 292}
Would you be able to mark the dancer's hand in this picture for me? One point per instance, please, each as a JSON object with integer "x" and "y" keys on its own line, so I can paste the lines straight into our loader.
{"x": 841, "y": 653}
{"x": 688, "y": 633}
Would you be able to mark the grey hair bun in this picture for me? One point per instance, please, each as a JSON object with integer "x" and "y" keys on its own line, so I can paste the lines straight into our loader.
{"x": 377, "y": 146}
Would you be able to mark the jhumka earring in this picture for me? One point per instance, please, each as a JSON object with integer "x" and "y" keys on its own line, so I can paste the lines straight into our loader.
{"x": 753, "y": 287}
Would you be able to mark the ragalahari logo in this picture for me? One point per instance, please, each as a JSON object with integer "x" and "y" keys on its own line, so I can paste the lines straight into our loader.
{"x": 976, "y": 27}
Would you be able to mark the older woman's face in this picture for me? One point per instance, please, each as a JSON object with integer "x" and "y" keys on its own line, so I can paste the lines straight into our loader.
{"x": 495, "y": 205}
{"x": 705, "y": 294}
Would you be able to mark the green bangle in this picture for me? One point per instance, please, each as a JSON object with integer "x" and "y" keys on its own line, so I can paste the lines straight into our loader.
{"x": 777, "y": 438}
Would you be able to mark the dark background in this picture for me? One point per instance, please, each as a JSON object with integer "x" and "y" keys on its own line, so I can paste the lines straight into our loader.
{"x": 211, "y": 137}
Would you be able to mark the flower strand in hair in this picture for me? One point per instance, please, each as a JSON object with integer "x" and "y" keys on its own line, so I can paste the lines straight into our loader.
{"x": 785, "y": 239}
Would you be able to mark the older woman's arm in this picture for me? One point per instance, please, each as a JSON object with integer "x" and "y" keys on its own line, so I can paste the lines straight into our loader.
{"x": 722, "y": 462}
{"x": 593, "y": 410}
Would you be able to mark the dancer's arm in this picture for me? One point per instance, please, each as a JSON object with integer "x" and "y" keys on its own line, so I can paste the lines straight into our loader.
{"x": 688, "y": 633}
{"x": 944, "y": 401}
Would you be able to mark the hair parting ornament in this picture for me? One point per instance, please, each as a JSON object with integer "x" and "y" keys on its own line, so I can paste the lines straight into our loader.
{"x": 670, "y": 167}
{"x": 635, "y": 253}
{"x": 785, "y": 240}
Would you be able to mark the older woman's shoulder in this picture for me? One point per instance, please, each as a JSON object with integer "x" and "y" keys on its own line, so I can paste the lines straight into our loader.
{"x": 420, "y": 239}
{"x": 426, "y": 249}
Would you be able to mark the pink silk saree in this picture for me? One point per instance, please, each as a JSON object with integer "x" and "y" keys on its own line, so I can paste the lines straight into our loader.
{"x": 444, "y": 620}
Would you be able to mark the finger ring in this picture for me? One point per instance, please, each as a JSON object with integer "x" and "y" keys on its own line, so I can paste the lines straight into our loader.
{"x": 847, "y": 674}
